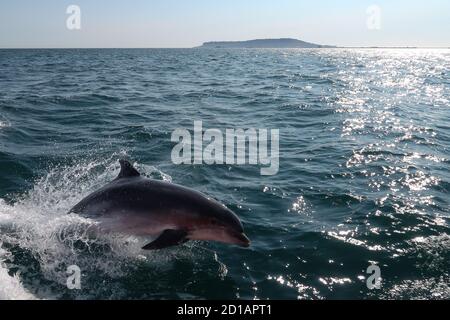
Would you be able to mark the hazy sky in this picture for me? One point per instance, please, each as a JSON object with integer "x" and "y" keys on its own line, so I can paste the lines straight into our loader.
{"x": 187, "y": 23}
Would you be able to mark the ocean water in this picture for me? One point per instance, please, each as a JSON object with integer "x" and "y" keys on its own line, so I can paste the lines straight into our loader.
{"x": 364, "y": 170}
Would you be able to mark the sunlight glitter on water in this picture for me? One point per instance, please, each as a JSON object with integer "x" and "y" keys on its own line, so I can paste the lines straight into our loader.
{"x": 363, "y": 169}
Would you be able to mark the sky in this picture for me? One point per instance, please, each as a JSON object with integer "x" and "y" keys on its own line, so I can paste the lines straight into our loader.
{"x": 188, "y": 23}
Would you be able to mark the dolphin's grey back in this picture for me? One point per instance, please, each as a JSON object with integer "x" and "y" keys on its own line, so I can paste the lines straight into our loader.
{"x": 132, "y": 194}
{"x": 139, "y": 194}
{"x": 135, "y": 206}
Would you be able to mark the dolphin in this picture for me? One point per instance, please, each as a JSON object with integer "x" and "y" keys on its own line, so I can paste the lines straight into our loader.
{"x": 136, "y": 205}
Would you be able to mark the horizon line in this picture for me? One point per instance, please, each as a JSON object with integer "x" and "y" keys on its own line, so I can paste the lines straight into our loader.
{"x": 199, "y": 47}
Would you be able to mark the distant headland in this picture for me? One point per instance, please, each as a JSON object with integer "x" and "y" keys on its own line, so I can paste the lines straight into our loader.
{"x": 264, "y": 43}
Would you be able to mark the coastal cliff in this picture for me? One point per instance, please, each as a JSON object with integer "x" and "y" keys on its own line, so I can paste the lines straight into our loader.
{"x": 263, "y": 43}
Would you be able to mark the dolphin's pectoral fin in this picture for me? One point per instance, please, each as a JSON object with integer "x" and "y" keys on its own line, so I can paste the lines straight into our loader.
{"x": 166, "y": 239}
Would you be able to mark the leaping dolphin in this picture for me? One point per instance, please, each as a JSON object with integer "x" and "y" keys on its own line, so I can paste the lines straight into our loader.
{"x": 135, "y": 205}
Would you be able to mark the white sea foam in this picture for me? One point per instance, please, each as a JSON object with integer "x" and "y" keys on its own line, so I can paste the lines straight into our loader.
{"x": 4, "y": 122}
{"x": 10, "y": 286}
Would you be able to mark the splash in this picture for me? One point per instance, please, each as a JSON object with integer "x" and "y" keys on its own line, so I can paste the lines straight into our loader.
{"x": 11, "y": 287}
{"x": 43, "y": 240}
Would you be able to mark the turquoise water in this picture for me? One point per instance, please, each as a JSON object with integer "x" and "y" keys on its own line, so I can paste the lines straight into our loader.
{"x": 364, "y": 170}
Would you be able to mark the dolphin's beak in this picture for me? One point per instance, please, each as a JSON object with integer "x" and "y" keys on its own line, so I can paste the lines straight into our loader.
{"x": 240, "y": 239}
{"x": 246, "y": 241}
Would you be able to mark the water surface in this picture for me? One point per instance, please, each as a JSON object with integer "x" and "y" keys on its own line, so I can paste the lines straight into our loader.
{"x": 364, "y": 170}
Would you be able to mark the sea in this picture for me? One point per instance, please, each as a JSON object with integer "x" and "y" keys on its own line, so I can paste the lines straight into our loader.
{"x": 359, "y": 207}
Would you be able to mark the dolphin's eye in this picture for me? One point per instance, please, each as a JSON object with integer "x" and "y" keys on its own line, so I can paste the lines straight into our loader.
{"x": 215, "y": 222}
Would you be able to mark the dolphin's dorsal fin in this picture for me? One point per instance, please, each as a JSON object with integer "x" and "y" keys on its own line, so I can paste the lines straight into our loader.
{"x": 127, "y": 170}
